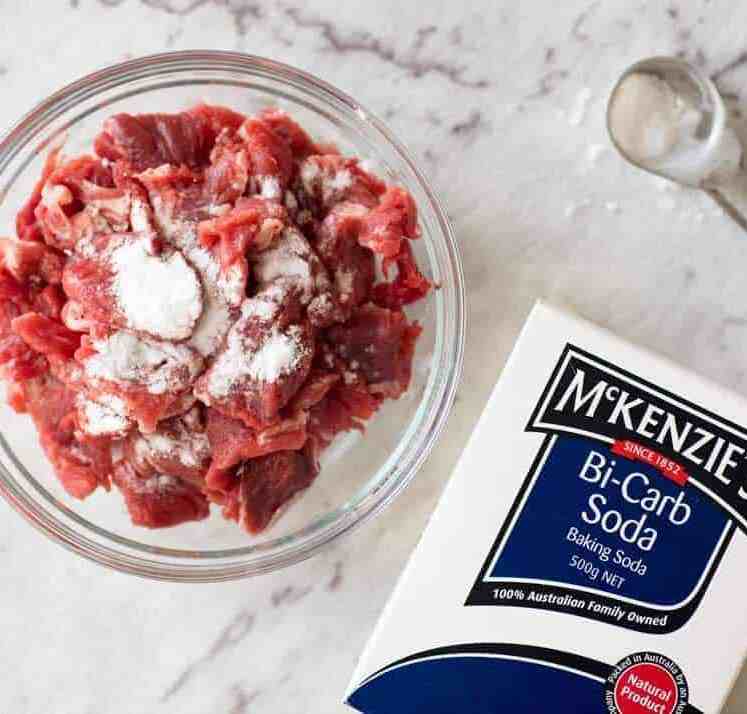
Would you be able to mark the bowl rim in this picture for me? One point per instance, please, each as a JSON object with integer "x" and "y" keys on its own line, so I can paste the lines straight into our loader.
{"x": 210, "y": 566}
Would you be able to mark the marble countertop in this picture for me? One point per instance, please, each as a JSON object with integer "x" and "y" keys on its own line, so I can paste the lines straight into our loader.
{"x": 503, "y": 104}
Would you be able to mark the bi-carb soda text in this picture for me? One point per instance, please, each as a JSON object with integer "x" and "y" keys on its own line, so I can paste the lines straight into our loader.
{"x": 635, "y": 488}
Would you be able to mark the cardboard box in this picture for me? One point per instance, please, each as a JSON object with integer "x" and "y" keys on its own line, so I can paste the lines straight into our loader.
{"x": 588, "y": 554}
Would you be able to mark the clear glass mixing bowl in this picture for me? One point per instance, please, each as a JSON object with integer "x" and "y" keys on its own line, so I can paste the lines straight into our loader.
{"x": 360, "y": 474}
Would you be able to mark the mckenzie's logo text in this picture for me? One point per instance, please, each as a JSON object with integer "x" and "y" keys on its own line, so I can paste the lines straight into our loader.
{"x": 589, "y": 397}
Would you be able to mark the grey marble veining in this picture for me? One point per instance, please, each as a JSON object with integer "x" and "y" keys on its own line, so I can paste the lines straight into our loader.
{"x": 503, "y": 105}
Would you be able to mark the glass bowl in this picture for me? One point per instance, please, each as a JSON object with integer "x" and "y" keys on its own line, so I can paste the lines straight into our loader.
{"x": 360, "y": 474}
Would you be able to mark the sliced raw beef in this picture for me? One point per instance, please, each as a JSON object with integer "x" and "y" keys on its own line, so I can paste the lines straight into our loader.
{"x": 265, "y": 484}
{"x": 159, "y": 501}
{"x": 197, "y": 303}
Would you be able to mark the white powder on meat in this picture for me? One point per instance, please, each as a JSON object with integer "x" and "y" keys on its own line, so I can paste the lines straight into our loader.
{"x": 186, "y": 450}
{"x": 55, "y": 194}
{"x": 104, "y": 416}
{"x": 141, "y": 217}
{"x": 216, "y": 314}
{"x": 279, "y": 354}
{"x": 284, "y": 264}
{"x": 158, "y": 366}
{"x": 270, "y": 187}
{"x": 220, "y": 210}
{"x": 329, "y": 186}
{"x": 216, "y": 319}
{"x": 115, "y": 210}
{"x": 142, "y": 451}
{"x": 290, "y": 257}
{"x": 322, "y": 306}
{"x": 86, "y": 248}
{"x": 265, "y": 304}
{"x": 276, "y": 356}
{"x": 159, "y": 295}
{"x": 155, "y": 484}
{"x": 261, "y": 309}
{"x": 213, "y": 325}
{"x": 112, "y": 402}
{"x": 232, "y": 284}
{"x": 341, "y": 181}
{"x": 309, "y": 173}
{"x": 74, "y": 318}
{"x": 181, "y": 439}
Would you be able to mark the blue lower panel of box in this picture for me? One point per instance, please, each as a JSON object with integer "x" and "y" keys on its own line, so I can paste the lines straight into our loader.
{"x": 478, "y": 684}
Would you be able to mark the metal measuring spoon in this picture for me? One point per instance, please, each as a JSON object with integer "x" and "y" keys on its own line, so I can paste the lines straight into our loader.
{"x": 668, "y": 119}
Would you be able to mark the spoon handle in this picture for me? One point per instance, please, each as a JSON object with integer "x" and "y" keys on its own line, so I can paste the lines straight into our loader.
{"x": 733, "y": 201}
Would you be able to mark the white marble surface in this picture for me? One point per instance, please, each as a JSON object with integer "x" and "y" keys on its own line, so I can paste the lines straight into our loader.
{"x": 502, "y": 102}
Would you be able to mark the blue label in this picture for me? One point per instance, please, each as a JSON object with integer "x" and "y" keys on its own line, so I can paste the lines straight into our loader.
{"x": 628, "y": 507}
{"x": 610, "y": 525}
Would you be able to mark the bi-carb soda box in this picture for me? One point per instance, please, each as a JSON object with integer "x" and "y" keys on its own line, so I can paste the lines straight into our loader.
{"x": 588, "y": 556}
